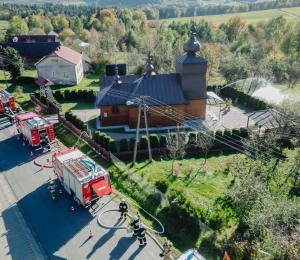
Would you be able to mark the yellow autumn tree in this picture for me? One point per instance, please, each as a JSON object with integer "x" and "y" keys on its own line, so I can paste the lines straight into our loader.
{"x": 211, "y": 52}
{"x": 107, "y": 17}
{"x": 236, "y": 26}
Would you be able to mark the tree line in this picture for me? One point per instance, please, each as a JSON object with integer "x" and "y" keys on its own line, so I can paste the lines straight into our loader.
{"x": 8, "y": 10}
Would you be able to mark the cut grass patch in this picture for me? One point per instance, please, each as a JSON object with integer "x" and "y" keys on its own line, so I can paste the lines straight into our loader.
{"x": 92, "y": 121}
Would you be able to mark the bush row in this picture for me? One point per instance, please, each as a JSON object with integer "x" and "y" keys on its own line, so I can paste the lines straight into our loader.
{"x": 235, "y": 133}
{"x": 77, "y": 122}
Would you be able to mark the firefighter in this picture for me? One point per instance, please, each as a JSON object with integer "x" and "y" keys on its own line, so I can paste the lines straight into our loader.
{"x": 142, "y": 235}
{"x": 229, "y": 104}
{"x": 135, "y": 224}
{"x": 167, "y": 249}
{"x": 52, "y": 187}
{"x": 123, "y": 208}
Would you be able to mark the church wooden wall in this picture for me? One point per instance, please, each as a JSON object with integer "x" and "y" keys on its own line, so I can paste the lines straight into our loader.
{"x": 196, "y": 108}
{"x": 119, "y": 119}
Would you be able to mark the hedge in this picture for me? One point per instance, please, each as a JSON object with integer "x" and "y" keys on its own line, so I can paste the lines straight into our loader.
{"x": 236, "y": 133}
{"x": 84, "y": 94}
{"x": 227, "y": 134}
{"x": 96, "y": 136}
{"x": 219, "y": 135}
{"x": 264, "y": 105}
{"x": 43, "y": 99}
{"x": 254, "y": 103}
{"x": 144, "y": 142}
{"x": 211, "y": 133}
{"x": 259, "y": 105}
{"x": 163, "y": 141}
{"x": 85, "y": 127}
{"x": 100, "y": 139}
{"x": 112, "y": 146}
{"x": 37, "y": 94}
{"x": 124, "y": 145}
{"x": 78, "y": 122}
{"x": 132, "y": 143}
{"x": 68, "y": 94}
{"x": 251, "y": 102}
{"x": 25, "y": 80}
{"x": 244, "y": 132}
{"x": 89, "y": 132}
{"x": 154, "y": 141}
{"x": 80, "y": 94}
{"x": 192, "y": 138}
{"x": 182, "y": 136}
{"x": 81, "y": 125}
{"x": 90, "y": 96}
{"x": 73, "y": 120}
{"x": 106, "y": 140}
{"x": 58, "y": 95}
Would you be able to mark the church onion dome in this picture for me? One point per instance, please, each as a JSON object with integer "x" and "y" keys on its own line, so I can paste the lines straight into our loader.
{"x": 192, "y": 45}
{"x": 117, "y": 82}
{"x": 149, "y": 74}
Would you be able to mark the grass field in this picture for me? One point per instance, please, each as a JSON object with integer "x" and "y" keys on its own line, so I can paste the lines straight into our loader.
{"x": 3, "y": 24}
{"x": 250, "y": 17}
{"x": 294, "y": 10}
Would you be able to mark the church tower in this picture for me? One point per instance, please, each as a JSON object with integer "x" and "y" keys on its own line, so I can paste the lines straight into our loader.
{"x": 192, "y": 69}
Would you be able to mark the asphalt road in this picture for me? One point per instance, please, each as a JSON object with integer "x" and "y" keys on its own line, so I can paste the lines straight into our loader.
{"x": 62, "y": 233}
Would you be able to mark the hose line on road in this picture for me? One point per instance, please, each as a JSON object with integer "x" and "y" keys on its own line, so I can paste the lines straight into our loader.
{"x": 46, "y": 166}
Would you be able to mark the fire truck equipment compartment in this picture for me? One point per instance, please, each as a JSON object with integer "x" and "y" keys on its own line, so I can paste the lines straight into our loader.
{"x": 101, "y": 188}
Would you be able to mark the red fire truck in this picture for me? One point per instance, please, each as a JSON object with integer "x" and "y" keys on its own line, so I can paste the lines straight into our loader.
{"x": 6, "y": 100}
{"x": 34, "y": 129}
{"x": 81, "y": 177}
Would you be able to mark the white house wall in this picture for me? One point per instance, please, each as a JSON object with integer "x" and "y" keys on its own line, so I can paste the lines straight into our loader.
{"x": 64, "y": 73}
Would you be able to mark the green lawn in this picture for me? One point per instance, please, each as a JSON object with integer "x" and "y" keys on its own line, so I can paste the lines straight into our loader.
{"x": 207, "y": 186}
{"x": 291, "y": 92}
{"x": 250, "y": 17}
{"x": 92, "y": 121}
{"x": 90, "y": 81}
{"x": 4, "y": 24}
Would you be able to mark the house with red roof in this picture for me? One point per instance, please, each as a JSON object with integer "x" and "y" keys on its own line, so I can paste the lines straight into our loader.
{"x": 63, "y": 66}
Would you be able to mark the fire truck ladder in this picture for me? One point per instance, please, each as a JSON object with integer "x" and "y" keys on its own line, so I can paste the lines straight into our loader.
{"x": 77, "y": 169}
{"x": 46, "y": 91}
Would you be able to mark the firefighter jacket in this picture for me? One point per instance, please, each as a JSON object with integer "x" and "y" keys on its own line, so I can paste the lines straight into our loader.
{"x": 136, "y": 223}
{"x": 167, "y": 249}
{"x": 123, "y": 207}
{"x": 52, "y": 187}
{"x": 141, "y": 233}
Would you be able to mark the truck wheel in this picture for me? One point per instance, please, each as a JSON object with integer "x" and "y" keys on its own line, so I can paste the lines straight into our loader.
{"x": 76, "y": 200}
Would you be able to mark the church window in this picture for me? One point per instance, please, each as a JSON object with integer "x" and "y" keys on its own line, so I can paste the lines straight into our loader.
{"x": 115, "y": 110}
{"x": 169, "y": 111}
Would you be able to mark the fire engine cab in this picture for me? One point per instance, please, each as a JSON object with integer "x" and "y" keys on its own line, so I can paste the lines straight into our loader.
{"x": 34, "y": 129}
{"x": 6, "y": 100}
{"x": 81, "y": 177}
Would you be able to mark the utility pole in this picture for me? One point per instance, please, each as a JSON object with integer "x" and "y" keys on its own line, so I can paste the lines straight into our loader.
{"x": 144, "y": 107}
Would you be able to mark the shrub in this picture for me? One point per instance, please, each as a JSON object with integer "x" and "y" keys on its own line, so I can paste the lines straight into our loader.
{"x": 85, "y": 127}
{"x": 251, "y": 102}
{"x": 264, "y": 105}
{"x": 68, "y": 115}
{"x": 182, "y": 136}
{"x": 259, "y": 105}
{"x": 112, "y": 146}
{"x": 132, "y": 143}
{"x": 219, "y": 135}
{"x": 241, "y": 96}
{"x": 216, "y": 220}
{"x": 233, "y": 93}
{"x": 84, "y": 94}
{"x": 246, "y": 99}
{"x": 27, "y": 80}
{"x": 81, "y": 125}
{"x": 96, "y": 136}
{"x": 255, "y": 103}
{"x": 80, "y": 94}
{"x": 89, "y": 132}
{"x": 144, "y": 142}
{"x": 163, "y": 141}
{"x": 162, "y": 185}
{"x": 43, "y": 100}
{"x": 123, "y": 145}
{"x": 211, "y": 133}
{"x": 192, "y": 138}
{"x": 58, "y": 95}
{"x": 53, "y": 100}
{"x": 74, "y": 95}
{"x": 244, "y": 132}
{"x": 100, "y": 138}
{"x": 227, "y": 134}
{"x": 90, "y": 96}
{"x": 73, "y": 120}
{"x": 154, "y": 141}
{"x": 37, "y": 94}
{"x": 173, "y": 138}
{"x": 68, "y": 95}
{"x": 78, "y": 122}
{"x": 106, "y": 140}
{"x": 236, "y": 134}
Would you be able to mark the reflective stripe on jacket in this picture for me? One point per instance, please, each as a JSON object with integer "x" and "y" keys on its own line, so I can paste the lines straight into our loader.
{"x": 52, "y": 187}
{"x": 141, "y": 233}
{"x": 123, "y": 207}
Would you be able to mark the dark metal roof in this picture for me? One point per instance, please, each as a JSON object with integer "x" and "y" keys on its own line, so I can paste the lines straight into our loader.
{"x": 33, "y": 48}
{"x": 186, "y": 58}
{"x": 32, "y": 38}
{"x": 164, "y": 88}
{"x": 109, "y": 95}
{"x": 263, "y": 118}
{"x": 105, "y": 81}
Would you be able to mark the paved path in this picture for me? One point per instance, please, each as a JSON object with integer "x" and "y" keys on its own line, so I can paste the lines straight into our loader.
{"x": 16, "y": 239}
{"x": 62, "y": 233}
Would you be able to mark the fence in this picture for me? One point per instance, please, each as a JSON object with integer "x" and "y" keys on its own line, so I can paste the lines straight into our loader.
{"x": 85, "y": 138}
{"x": 50, "y": 108}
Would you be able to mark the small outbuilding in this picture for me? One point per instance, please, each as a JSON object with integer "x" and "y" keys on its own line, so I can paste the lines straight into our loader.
{"x": 62, "y": 66}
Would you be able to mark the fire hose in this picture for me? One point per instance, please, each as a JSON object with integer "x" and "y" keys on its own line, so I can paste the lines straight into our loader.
{"x": 125, "y": 227}
{"x": 46, "y": 166}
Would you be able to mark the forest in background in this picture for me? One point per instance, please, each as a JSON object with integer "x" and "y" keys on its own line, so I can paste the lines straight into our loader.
{"x": 8, "y": 10}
